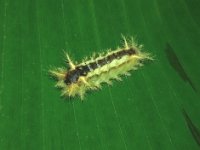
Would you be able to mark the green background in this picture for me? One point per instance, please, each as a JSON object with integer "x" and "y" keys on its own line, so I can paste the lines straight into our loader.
{"x": 158, "y": 107}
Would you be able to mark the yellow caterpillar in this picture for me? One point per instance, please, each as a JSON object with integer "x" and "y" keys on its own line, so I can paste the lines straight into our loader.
{"x": 90, "y": 74}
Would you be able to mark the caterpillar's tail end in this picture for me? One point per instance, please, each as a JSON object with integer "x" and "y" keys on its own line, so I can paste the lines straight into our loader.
{"x": 145, "y": 58}
{"x": 149, "y": 57}
{"x": 129, "y": 42}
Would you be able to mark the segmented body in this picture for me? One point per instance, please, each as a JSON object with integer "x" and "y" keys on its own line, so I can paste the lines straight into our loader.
{"x": 89, "y": 75}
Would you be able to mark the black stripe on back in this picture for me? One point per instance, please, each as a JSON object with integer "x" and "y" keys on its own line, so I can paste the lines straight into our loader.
{"x": 73, "y": 75}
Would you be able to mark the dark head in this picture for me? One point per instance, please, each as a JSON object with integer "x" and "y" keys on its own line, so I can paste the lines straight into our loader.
{"x": 72, "y": 76}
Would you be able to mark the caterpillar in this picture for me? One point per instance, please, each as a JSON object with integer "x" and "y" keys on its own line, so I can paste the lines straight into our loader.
{"x": 103, "y": 68}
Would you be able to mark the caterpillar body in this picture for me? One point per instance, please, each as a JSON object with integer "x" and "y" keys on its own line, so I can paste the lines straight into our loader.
{"x": 90, "y": 74}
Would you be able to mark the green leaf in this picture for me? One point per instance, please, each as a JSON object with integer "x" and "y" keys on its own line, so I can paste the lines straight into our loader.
{"x": 157, "y": 107}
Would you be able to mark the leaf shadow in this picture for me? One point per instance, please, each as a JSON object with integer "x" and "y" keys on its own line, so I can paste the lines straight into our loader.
{"x": 176, "y": 65}
{"x": 193, "y": 129}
